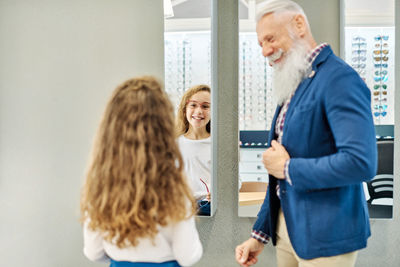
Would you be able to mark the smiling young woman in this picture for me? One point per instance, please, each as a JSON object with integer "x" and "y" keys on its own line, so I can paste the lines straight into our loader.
{"x": 193, "y": 133}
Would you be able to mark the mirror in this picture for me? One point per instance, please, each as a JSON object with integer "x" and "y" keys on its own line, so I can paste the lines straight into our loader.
{"x": 187, "y": 50}
{"x": 256, "y": 111}
{"x": 369, "y": 46}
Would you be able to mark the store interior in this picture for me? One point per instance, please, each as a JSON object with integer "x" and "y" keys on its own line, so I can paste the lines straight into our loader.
{"x": 61, "y": 60}
{"x": 368, "y": 46}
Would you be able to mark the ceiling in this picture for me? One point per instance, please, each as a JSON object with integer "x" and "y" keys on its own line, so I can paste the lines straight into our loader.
{"x": 356, "y": 11}
{"x": 184, "y": 9}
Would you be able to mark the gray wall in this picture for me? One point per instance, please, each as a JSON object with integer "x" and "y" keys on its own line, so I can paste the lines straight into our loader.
{"x": 59, "y": 62}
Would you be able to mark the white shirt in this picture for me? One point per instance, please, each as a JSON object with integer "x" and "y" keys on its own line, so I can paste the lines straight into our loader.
{"x": 197, "y": 163}
{"x": 178, "y": 242}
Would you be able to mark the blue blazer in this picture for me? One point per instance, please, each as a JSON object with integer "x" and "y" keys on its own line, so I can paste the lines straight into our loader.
{"x": 329, "y": 134}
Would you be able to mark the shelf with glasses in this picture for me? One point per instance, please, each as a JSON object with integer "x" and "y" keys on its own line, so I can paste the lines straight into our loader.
{"x": 256, "y": 106}
{"x": 188, "y": 62}
{"x": 370, "y": 51}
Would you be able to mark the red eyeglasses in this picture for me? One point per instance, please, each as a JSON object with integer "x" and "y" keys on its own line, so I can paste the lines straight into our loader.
{"x": 208, "y": 191}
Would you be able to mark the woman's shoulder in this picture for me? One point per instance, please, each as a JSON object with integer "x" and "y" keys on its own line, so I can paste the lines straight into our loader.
{"x": 181, "y": 139}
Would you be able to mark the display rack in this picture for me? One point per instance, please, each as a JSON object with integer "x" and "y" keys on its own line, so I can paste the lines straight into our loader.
{"x": 370, "y": 51}
{"x": 188, "y": 63}
{"x": 256, "y": 105}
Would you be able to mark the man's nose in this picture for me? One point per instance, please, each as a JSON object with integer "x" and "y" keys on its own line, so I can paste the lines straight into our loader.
{"x": 267, "y": 50}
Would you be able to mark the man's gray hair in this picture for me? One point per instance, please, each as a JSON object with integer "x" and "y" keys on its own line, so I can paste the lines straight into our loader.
{"x": 279, "y": 6}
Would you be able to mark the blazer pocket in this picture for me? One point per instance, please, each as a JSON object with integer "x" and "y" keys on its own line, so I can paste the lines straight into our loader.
{"x": 301, "y": 122}
{"x": 305, "y": 107}
{"x": 331, "y": 218}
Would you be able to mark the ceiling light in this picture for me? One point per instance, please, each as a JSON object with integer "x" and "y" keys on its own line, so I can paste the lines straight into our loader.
{"x": 168, "y": 11}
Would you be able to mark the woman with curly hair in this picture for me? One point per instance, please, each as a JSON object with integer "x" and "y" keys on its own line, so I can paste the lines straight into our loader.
{"x": 193, "y": 132}
{"x": 136, "y": 206}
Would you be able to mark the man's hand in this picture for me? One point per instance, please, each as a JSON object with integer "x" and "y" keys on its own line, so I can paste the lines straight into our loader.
{"x": 274, "y": 159}
{"x": 247, "y": 252}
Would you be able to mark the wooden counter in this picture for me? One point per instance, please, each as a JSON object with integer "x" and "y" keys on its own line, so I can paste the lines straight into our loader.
{"x": 251, "y": 198}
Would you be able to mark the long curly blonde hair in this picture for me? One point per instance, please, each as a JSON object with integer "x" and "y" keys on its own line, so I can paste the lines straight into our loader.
{"x": 182, "y": 124}
{"x": 134, "y": 181}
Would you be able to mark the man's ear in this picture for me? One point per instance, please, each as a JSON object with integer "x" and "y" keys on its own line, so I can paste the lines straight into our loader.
{"x": 300, "y": 25}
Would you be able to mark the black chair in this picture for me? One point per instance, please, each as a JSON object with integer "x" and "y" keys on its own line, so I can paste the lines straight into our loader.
{"x": 381, "y": 186}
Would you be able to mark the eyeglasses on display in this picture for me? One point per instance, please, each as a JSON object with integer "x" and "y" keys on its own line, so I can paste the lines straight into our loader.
{"x": 381, "y": 65}
{"x": 381, "y": 78}
{"x": 378, "y": 52}
{"x": 378, "y": 45}
{"x": 377, "y": 99}
{"x": 359, "y": 66}
{"x": 382, "y": 72}
{"x": 359, "y": 52}
{"x": 377, "y": 86}
{"x": 380, "y": 93}
{"x": 381, "y": 58}
{"x": 360, "y": 58}
{"x": 381, "y": 37}
{"x": 377, "y": 113}
{"x": 359, "y": 45}
{"x": 382, "y": 107}
{"x": 359, "y": 38}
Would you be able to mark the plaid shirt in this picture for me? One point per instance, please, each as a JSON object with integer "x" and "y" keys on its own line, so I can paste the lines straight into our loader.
{"x": 280, "y": 123}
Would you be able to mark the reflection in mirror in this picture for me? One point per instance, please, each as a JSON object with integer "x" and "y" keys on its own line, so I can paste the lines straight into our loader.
{"x": 187, "y": 49}
{"x": 193, "y": 133}
{"x": 369, "y": 49}
{"x": 256, "y": 110}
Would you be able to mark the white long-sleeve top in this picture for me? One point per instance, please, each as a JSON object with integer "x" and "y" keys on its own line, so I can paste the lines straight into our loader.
{"x": 178, "y": 242}
{"x": 196, "y": 156}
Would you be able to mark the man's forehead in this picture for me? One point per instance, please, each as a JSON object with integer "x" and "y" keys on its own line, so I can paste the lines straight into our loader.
{"x": 275, "y": 19}
{"x": 267, "y": 21}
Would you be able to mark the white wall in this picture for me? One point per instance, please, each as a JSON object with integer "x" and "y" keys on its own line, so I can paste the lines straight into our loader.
{"x": 59, "y": 62}
{"x": 369, "y": 12}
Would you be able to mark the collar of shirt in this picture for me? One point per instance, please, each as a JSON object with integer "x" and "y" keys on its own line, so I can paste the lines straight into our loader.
{"x": 312, "y": 55}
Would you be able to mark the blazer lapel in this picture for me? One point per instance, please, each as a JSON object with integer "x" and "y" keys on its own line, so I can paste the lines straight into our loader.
{"x": 271, "y": 134}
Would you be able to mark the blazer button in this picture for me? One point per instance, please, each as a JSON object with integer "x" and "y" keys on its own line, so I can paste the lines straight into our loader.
{"x": 283, "y": 191}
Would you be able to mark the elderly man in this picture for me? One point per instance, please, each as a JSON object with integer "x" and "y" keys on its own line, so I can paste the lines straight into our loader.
{"x": 322, "y": 147}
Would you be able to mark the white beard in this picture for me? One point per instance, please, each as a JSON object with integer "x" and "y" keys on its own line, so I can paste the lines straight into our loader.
{"x": 288, "y": 74}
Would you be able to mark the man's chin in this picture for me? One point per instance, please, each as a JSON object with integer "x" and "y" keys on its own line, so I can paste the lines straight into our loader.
{"x": 278, "y": 66}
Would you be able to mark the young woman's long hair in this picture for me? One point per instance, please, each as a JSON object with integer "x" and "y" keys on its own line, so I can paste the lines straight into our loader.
{"x": 182, "y": 124}
{"x": 134, "y": 181}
